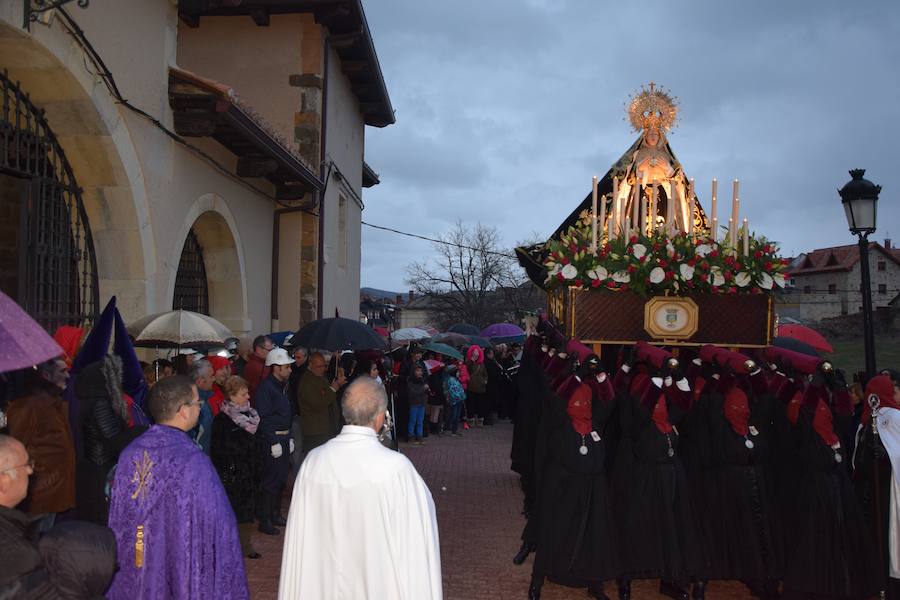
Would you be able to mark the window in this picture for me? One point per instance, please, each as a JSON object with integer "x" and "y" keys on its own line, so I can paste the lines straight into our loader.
{"x": 882, "y": 265}
{"x": 832, "y": 288}
{"x": 882, "y": 288}
{"x": 191, "y": 289}
{"x": 807, "y": 289}
{"x": 342, "y": 232}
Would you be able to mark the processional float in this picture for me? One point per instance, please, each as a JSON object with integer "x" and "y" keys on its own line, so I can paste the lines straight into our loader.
{"x": 640, "y": 260}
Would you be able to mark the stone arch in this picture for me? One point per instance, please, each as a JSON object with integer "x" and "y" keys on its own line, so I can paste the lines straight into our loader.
{"x": 93, "y": 134}
{"x": 223, "y": 257}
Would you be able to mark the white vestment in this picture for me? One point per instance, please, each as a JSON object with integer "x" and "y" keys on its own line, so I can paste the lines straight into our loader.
{"x": 889, "y": 431}
{"x": 362, "y": 525}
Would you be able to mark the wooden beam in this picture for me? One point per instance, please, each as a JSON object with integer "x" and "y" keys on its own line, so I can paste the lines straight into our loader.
{"x": 345, "y": 40}
{"x": 291, "y": 191}
{"x": 256, "y": 166}
{"x": 352, "y": 67}
{"x": 194, "y": 125}
{"x": 260, "y": 16}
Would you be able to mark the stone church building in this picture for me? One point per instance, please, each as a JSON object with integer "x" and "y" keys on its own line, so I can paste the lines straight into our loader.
{"x": 197, "y": 154}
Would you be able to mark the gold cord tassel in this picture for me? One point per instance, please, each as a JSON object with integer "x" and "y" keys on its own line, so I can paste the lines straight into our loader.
{"x": 139, "y": 548}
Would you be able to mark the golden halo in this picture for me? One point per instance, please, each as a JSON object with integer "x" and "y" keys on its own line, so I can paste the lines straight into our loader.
{"x": 652, "y": 108}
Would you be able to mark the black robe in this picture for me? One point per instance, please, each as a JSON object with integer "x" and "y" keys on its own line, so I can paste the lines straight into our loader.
{"x": 656, "y": 531}
{"x": 574, "y": 531}
{"x": 233, "y": 452}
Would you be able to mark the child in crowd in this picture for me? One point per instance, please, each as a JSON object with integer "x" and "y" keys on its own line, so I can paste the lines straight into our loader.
{"x": 455, "y": 396}
{"x": 417, "y": 392}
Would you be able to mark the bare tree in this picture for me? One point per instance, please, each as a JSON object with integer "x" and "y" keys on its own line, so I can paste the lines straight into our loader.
{"x": 471, "y": 278}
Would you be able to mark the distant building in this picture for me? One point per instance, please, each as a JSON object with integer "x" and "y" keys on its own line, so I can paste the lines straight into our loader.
{"x": 825, "y": 283}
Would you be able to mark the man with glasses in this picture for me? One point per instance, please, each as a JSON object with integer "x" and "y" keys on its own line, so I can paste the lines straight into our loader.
{"x": 256, "y": 369}
{"x": 176, "y": 534}
{"x": 22, "y": 574}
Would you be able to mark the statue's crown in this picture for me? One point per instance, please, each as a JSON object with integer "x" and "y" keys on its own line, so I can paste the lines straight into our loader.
{"x": 652, "y": 108}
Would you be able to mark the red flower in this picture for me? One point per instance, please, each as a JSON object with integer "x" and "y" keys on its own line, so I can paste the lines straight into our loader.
{"x": 755, "y": 290}
{"x": 624, "y": 287}
{"x": 692, "y": 261}
{"x": 631, "y": 268}
{"x": 732, "y": 290}
{"x": 643, "y": 259}
{"x": 633, "y": 239}
{"x": 560, "y": 277}
{"x": 767, "y": 266}
{"x": 704, "y": 264}
{"x": 714, "y": 254}
{"x": 704, "y": 277}
{"x": 785, "y": 261}
{"x": 573, "y": 248}
{"x": 728, "y": 275}
{"x": 663, "y": 263}
{"x": 757, "y": 254}
{"x": 610, "y": 283}
{"x": 564, "y": 260}
{"x": 670, "y": 275}
{"x": 595, "y": 283}
{"x": 714, "y": 289}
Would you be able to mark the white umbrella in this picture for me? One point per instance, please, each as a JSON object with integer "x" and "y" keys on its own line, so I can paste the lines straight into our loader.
{"x": 410, "y": 334}
{"x": 178, "y": 328}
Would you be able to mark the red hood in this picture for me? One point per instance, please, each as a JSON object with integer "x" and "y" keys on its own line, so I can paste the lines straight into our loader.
{"x": 471, "y": 351}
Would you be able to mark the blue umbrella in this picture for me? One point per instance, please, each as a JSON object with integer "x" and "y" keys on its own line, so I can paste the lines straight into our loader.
{"x": 279, "y": 336}
{"x": 477, "y": 340}
{"x": 508, "y": 339}
{"x": 443, "y": 349}
{"x": 465, "y": 329}
{"x": 338, "y": 334}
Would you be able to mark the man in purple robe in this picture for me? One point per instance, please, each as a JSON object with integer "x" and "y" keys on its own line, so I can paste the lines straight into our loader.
{"x": 175, "y": 530}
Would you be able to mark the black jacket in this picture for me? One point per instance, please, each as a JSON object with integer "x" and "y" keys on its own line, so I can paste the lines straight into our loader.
{"x": 80, "y": 558}
{"x": 233, "y": 452}
{"x": 23, "y": 574}
{"x": 274, "y": 409}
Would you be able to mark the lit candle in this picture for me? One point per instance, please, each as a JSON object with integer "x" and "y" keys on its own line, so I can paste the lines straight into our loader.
{"x": 642, "y": 222}
{"x": 594, "y": 214}
{"x": 690, "y": 223}
{"x": 614, "y": 218}
{"x": 652, "y": 217}
{"x": 670, "y": 209}
{"x": 635, "y": 200}
{"x": 731, "y": 240}
{"x": 603, "y": 215}
{"x": 714, "y": 230}
{"x": 735, "y": 210}
{"x": 746, "y": 238}
{"x": 712, "y": 213}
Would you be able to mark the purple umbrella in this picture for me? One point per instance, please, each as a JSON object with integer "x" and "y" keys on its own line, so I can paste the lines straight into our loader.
{"x": 23, "y": 342}
{"x": 501, "y": 330}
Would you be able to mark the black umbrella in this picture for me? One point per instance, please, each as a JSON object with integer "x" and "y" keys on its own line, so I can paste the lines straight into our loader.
{"x": 338, "y": 334}
{"x": 465, "y": 329}
{"x": 795, "y": 345}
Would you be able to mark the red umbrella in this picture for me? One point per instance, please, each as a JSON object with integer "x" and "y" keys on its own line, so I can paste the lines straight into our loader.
{"x": 805, "y": 335}
{"x": 382, "y": 331}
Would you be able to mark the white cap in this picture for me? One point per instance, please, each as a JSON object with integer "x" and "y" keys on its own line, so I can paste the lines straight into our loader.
{"x": 278, "y": 356}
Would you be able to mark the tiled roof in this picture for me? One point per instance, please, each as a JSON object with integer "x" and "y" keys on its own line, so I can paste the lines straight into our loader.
{"x": 835, "y": 259}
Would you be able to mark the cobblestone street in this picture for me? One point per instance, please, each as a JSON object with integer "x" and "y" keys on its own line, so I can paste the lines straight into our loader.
{"x": 478, "y": 506}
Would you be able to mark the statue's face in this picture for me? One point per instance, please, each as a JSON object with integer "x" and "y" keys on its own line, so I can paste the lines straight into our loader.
{"x": 652, "y": 137}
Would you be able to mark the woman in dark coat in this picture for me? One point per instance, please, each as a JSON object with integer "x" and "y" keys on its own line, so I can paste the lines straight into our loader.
{"x": 233, "y": 452}
{"x": 574, "y": 527}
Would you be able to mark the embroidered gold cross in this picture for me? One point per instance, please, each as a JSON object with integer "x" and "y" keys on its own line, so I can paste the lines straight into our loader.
{"x": 142, "y": 475}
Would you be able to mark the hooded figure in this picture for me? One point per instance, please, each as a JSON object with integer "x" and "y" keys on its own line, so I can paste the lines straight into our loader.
{"x": 104, "y": 433}
{"x": 477, "y": 403}
{"x": 574, "y": 531}
{"x": 80, "y": 559}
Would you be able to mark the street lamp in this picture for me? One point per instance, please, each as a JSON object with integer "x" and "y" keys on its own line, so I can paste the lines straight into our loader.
{"x": 860, "y": 199}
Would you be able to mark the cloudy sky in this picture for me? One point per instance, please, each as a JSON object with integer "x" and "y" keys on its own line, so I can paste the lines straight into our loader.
{"x": 506, "y": 108}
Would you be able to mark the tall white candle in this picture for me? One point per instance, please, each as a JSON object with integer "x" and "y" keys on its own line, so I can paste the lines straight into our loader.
{"x": 594, "y": 214}
{"x": 635, "y": 199}
{"x": 714, "y": 230}
{"x": 670, "y": 209}
{"x": 746, "y": 237}
{"x": 735, "y": 203}
{"x": 603, "y": 217}
{"x": 690, "y": 223}
{"x": 712, "y": 213}
{"x": 642, "y": 221}
{"x": 652, "y": 216}
{"x": 731, "y": 232}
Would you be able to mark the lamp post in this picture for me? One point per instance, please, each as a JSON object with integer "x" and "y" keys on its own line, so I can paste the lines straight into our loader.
{"x": 860, "y": 199}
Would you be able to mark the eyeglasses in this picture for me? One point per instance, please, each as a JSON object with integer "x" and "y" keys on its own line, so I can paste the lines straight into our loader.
{"x": 29, "y": 465}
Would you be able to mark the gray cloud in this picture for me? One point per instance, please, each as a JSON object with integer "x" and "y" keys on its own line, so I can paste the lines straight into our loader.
{"x": 506, "y": 109}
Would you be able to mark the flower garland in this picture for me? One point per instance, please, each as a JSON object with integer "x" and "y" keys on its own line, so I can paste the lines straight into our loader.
{"x": 658, "y": 264}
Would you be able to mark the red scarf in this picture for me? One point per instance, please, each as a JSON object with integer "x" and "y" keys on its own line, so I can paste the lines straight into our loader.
{"x": 661, "y": 416}
{"x": 822, "y": 423}
{"x": 579, "y": 409}
{"x": 737, "y": 410}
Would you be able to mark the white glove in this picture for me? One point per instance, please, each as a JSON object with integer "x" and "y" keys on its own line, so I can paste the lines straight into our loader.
{"x": 276, "y": 450}
{"x": 291, "y": 445}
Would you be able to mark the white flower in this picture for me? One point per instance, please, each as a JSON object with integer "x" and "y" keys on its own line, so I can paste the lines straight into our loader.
{"x": 657, "y": 275}
{"x": 639, "y": 250}
{"x": 621, "y": 277}
{"x": 779, "y": 279}
{"x": 598, "y": 273}
{"x": 718, "y": 278}
{"x": 703, "y": 249}
{"x": 687, "y": 271}
{"x": 670, "y": 249}
{"x": 742, "y": 279}
{"x": 569, "y": 271}
{"x": 765, "y": 281}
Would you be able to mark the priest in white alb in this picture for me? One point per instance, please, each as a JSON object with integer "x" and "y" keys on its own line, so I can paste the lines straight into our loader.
{"x": 362, "y": 521}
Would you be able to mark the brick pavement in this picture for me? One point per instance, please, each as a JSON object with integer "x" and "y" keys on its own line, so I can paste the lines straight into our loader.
{"x": 478, "y": 504}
